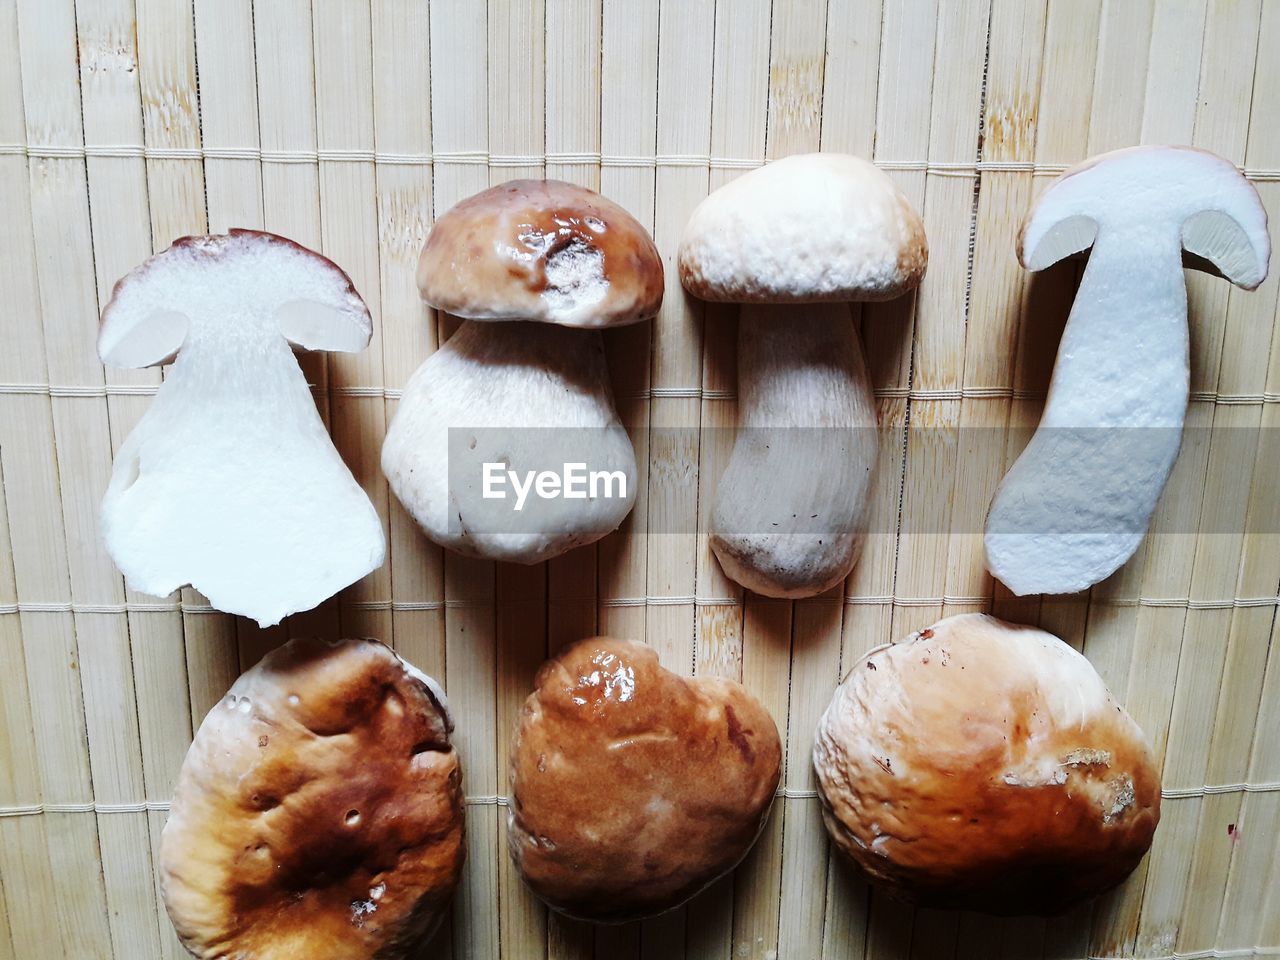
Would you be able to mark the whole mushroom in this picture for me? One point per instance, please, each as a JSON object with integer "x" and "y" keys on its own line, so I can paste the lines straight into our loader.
{"x": 522, "y": 388}
{"x": 632, "y": 787}
{"x": 230, "y": 482}
{"x": 981, "y": 765}
{"x": 1076, "y": 503}
{"x": 815, "y": 231}
{"x": 319, "y": 812}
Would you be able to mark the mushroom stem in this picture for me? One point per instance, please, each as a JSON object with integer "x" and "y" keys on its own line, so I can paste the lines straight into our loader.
{"x": 1076, "y": 504}
{"x": 530, "y": 397}
{"x": 1143, "y": 387}
{"x": 792, "y": 506}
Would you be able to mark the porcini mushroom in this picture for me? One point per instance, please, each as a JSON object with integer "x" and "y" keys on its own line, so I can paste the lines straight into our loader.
{"x": 1076, "y": 503}
{"x": 632, "y": 787}
{"x": 822, "y": 228}
{"x": 319, "y": 812}
{"x": 230, "y": 482}
{"x": 511, "y": 400}
{"x": 981, "y": 765}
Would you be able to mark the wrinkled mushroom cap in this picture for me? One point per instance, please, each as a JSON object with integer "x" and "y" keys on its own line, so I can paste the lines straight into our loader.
{"x": 541, "y": 250}
{"x": 984, "y": 766}
{"x": 806, "y": 228}
{"x": 193, "y": 285}
{"x": 632, "y": 787}
{"x": 1154, "y": 194}
{"x": 318, "y": 812}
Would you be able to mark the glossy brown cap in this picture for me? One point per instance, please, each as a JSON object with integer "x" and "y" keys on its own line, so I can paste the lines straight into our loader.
{"x": 319, "y": 811}
{"x": 632, "y": 787}
{"x": 980, "y": 765}
{"x": 541, "y": 250}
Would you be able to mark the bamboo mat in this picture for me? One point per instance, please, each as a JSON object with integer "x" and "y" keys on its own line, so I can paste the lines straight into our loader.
{"x": 344, "y": 124}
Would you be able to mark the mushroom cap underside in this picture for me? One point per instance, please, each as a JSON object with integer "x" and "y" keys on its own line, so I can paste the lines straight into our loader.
{"x": 1154, "y": 195}
{"x": 236, "y": 286}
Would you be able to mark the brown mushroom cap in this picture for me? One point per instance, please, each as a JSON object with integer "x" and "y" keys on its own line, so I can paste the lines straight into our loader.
{"x": 319, "y": 811}
{"x": 984, "y": 766}
{"x": 541, "y": 250}
{"x": 632, "y": 787}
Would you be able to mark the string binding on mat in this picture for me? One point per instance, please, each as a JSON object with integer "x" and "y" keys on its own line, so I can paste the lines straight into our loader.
{"x": 1208, "y": 954}
{"x": 490, "y": 800}
{"x": 692, "y": 392}
{"x": 942, "y": 168}
{"x": 170, "y": 606}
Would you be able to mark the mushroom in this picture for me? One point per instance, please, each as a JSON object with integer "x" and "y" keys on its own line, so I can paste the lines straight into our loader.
{"x": 230, "y": 482}
{"x": 821, "y": 228}
{"x": 632, "y": 787}
{"x": 1076, "y": 503}
{"x": 983, "y": 765}
{"x": 502, "y": 404}
{"x": 319, "y": 811}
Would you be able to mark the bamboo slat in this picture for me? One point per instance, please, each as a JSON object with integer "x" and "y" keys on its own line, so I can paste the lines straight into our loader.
{"x": 459, "y": 120}
{"x": 628, "y": 127}
{"x": 60, "y": 241}
{"x": 349, "y": 126}
{"x": 686, "y": 42}
{"x": 118, "y": 201}
{"x": 852, "y": 77}
{"x": 525, "y": 596}
{"x": 569, "y": 103}
{"x": 739, "y": 117}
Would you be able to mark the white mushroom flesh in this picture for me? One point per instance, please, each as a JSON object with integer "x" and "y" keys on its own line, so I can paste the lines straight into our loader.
{"x": 1076, "y": 503}
{"x": 230, "y": 482}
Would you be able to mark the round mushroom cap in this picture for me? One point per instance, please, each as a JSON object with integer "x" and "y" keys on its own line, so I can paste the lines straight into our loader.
{"x": 1154, "y": 195}
{"x": 980, "y": 765}
{"x": 803, "y": 229}
{"x": 273, "y": 286}
{"x": 632, "y": 787}
{"x": 319, "y": 811}
{"x": 541, "y": 250}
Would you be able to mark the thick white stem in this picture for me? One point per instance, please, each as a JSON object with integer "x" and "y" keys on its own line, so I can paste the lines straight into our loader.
{"x": 529, "y": 398}
{"x": 230, "y": 483}
{"x": 1076, "y": 504}
{"x": 792, "y": 505}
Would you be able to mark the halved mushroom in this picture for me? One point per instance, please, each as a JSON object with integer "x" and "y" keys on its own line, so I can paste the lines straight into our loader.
{"x": 501, "y": 403}
{"x": 820, "y": 228}
{"x": 230, "y": 482}
{"x": 1076, "y": 504}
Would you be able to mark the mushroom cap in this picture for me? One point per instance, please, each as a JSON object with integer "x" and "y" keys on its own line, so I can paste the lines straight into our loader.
{"x": 1151, "y": 192}
{"x": 319, "y": 811}
{"x": 541, "y": 250}
{"x": 299, "y": 294}
{"x": 632, "y": 787}
{"x": 984, "y": 766}
{"x": 806, "y": 228}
